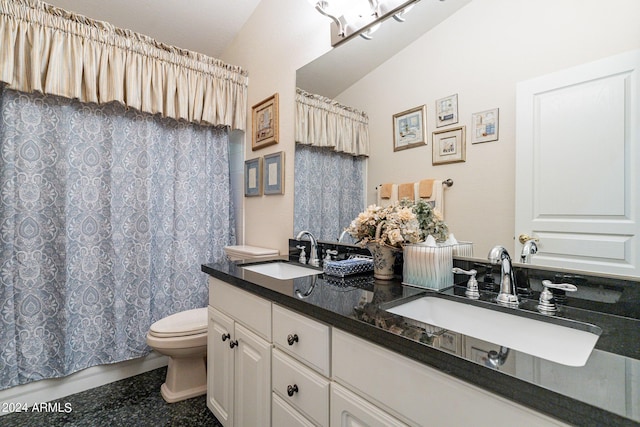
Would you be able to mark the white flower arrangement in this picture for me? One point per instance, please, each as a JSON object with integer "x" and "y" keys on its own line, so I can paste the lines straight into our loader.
{"x": 401, "y": 223}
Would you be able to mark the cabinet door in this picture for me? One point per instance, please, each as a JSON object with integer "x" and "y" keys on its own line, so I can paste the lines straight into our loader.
{"x": 252, "y": 395}
{"x": 220, "y": 367}
{"x": 350, "y": 410}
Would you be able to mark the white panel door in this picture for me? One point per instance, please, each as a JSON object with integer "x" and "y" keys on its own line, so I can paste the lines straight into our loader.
{"x": 252, "y": 396}
{"x": 220, "y": 366}
{"x": 577, "y": 163}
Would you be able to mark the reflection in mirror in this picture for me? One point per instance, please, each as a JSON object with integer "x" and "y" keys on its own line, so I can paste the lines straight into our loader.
{"x": 332, "y": 142}
{"x": 480, "y": 51}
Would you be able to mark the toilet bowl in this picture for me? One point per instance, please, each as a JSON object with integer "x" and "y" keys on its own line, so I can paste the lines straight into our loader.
{"x": 182, "y": 337}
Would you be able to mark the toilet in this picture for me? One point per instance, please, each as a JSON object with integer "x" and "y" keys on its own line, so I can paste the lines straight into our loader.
{"x": 182, "y": 337}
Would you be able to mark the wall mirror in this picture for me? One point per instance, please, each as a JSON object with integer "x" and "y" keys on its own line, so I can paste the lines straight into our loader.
{"x": 481, "y": 54}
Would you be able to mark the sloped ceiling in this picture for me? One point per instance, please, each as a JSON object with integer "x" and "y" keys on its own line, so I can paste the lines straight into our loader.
{"x": 205, "y": 26}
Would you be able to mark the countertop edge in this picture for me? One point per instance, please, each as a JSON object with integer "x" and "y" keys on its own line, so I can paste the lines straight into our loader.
{"x": 529, "y": 395}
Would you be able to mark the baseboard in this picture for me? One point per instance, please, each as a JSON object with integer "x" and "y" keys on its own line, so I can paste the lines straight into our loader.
{"x": 57, "y": 388}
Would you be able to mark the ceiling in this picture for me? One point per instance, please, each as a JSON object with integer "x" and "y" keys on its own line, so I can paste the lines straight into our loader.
{"x": 205, "y": 26}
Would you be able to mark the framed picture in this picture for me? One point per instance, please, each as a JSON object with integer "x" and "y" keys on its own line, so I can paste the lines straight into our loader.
{"x": 485, "y": 126}
{"x": 264, "y": 120}
{"x": 447, "y": 111}
{"x": 410, "y": 128}
{"x": 449, "y": 146}
{"x": 274, "y": 173}
{"x": 253, "y": 177}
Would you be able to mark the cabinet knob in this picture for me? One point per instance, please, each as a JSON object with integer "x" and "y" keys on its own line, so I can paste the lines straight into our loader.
{"x": 292, "y": 338}
{"x": 226, "y": 336}
{"x": 233, "y": 343}
{"x": 292, "y": 389}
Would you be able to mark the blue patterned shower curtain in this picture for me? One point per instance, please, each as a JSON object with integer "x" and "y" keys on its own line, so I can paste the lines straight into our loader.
{"x": 105, "y": 217}
{"x": 329, "y": 190}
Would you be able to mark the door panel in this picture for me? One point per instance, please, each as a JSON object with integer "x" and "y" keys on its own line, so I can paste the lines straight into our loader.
{"x": 577, "y": 164}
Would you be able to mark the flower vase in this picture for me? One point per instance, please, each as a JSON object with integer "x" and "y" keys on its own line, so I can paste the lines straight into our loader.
{"x": 383, "y": 259}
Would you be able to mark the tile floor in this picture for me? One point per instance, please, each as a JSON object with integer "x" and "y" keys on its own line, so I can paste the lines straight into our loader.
{"x": 132, "y": 402}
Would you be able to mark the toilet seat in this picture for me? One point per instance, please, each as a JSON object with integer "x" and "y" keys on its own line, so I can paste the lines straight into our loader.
{"x": 184, "y": 323}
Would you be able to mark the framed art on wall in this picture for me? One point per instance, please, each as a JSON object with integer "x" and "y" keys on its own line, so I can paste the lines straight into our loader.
{"x": 410, "y": 128}
{"x": 449, "y": 146}
{"x": 447, "y": 111}
{"x": 253, "y": 177}
{"x": 485, "y": 126}
{"x": 274, "y": 173}
{"x": 264, "y": 123}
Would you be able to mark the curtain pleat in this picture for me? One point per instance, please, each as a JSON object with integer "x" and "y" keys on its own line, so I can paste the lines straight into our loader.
{"x": 323, "y": 122}
{"x": 48, "y": 50}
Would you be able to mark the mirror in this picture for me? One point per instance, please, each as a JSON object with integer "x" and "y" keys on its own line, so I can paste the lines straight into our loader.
{"x": 479, "y": 51}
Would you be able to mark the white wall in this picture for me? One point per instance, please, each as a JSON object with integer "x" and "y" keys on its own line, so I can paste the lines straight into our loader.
{"x": 480, "y": 53}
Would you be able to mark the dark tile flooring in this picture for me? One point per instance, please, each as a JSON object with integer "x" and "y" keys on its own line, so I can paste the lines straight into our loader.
{"x": 132, "y": 402}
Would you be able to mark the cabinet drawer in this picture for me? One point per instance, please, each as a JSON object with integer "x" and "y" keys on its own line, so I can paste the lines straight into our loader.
{"x": 284, "y": 415}
{"x": 250, "y": 310}
{"x": 312, "y": 396}
{"x": 312, "y": 338}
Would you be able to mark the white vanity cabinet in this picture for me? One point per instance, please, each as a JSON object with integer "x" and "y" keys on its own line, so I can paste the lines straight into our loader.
{"x": 300, "y": 370}
{"x": 414, "y": 393}
{"x": 239, "y": 356}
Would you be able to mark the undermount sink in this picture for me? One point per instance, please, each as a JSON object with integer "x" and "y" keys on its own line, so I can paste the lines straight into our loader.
{"x": 281, "y": 270}
{"x": 569, "y": 343}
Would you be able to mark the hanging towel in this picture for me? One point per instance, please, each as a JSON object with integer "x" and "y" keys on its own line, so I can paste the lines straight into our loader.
{"x": 425, "y": 188}
{"x": 391, "y": 199}
{"x": 385, "y": 191}
{"x": 406, "y": 191}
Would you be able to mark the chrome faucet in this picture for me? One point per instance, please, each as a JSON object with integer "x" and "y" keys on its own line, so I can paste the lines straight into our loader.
{"x": 313, "y": 254}
{"x": 529, "y": 248}
{"x": 508, "y": 295}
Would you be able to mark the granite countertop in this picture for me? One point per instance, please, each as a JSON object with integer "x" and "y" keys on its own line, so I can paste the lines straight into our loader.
{"x": 353, "y": 304}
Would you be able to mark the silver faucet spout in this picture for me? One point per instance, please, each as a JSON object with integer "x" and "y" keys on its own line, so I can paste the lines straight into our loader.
{"x": 529, "y": 248}
{"x": 508, "y": 295}
{"x": 313, "y": 254}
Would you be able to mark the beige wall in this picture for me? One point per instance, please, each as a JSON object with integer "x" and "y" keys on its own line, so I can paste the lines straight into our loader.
{"x": 480, "y": 53}
{"x": 280, "y": 37}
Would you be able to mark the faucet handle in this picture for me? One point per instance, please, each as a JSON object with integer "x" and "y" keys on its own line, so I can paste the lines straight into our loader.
{"x": 472, "y": 285}
{"x": 547, "y": 302}
{"x": 303, "y": 255}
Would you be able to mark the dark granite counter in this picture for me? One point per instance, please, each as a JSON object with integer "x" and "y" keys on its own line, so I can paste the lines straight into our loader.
{"x": 604, "y": 392}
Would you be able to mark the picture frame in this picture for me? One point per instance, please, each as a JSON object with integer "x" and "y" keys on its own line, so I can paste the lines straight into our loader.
{"x": 449, "y": 146}
{"x": 265, "y": 123}
{"x": 253, "y": 177}
{"x": 485, "y": 126}
{"x": 410, "y": 128}
{"x": 273, "y": 173}
{"x": 447, "y": 110}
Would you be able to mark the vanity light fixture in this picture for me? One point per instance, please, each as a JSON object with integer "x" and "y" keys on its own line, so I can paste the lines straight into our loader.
{"x": 360, "y": 17}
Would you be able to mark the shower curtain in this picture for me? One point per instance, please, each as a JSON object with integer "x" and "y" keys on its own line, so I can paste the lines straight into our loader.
{"x": 329, "y": 191}
{"x": 106, "y": 214}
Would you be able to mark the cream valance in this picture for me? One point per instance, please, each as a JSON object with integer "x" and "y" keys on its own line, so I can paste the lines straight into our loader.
{"x": 323, "y": 122}
{"x": 46, "y": 49}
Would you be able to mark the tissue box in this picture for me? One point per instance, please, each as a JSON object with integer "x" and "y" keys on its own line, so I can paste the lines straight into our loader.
{"x": 428, "y": 266}
{"x": 464, "y": 249}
